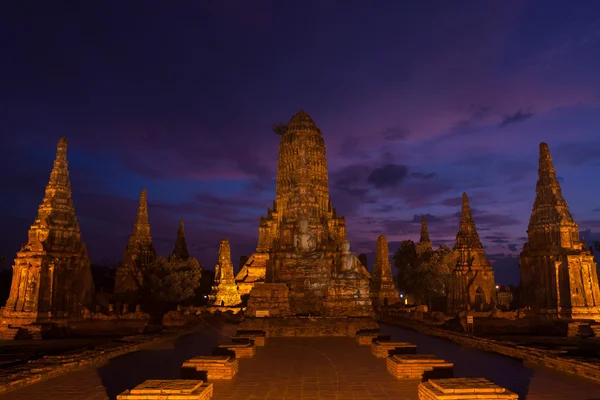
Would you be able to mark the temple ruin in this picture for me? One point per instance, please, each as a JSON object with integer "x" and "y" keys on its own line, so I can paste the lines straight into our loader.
{"x": 302, "y": 241}
{"x": 139, "y": 253}
{"x": 52, "y": 279}
{"x": 383, "y": 289}
{"x": 225, "y": 294}
{"x": 180, "y": 251}
{"x": 559, "y": 278}
{"x": 424, "y": 238}
{"x": 472, "y": 286}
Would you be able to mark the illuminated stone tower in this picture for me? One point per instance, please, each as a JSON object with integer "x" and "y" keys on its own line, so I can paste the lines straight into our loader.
{"x": 383, "y": 289}
{"x": 558, "y": 273}
{"x": 139, "y": 253}
{"x": 473, "y": 286}
{"x": 224, "y": 292}
{"x": 51, "y": 274}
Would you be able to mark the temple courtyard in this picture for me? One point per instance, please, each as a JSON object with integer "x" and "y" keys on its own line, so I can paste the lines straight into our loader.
{"x": 305, "y": 368}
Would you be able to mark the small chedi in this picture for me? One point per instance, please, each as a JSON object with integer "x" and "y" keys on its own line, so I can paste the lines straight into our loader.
{"x": 472, "y": 286}
{"x": 139, "y": 253}
{"x": 180, "y": 251}
{"x": 52, "y": 279}
{"x": 424, "y": 238}
{"x": 302, "y": 242}
{"x": 225, "y": 294}
{"x": 559, "y": 278}
{"x": 383, "y": 289}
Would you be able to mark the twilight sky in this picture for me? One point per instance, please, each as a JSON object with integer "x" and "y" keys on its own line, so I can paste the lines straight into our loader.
{"x": 417, "y": 101}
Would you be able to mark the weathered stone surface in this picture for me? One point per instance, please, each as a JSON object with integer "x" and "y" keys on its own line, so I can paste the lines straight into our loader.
{"x": 269, "y": 300}
{"x": 215, "y": 367}
{"x": 309, "y": 326}
{"x": 138, "y": 255}
{"x": 473, "y": 286}
{"x": 225, "y": 292}
{"x": 383, "y": 348}
{"x": 383, "y": 289}
{"x": 180, "y": 250}
{"x": 415, "y": 366}
{"x": 463, "y": 388}
{"x": 180, "y": 389}
{"x": 51, "y": 275}
{"x": 241, "y": 350}
{"x": 302, "y": 242}
{"x": 558, "y": 272}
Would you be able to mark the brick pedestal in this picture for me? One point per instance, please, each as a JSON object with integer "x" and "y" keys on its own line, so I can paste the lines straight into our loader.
{"x": 258, "y": 338}
{"x": 241, "y": 350}
{"x": 418, "y": 366}
{"x": 215, "y": 367}
{"x": 180, "y": 389}
{"x": 365, "y": 338}
{"x": 384, "y": 348}
{"x": 462, "y": 389}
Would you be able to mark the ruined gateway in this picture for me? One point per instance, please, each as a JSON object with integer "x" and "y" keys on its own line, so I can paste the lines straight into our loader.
{"x": 303, "y": 264}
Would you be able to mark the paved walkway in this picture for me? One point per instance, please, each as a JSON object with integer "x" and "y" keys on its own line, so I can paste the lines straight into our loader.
{"x": 315, "y": 369}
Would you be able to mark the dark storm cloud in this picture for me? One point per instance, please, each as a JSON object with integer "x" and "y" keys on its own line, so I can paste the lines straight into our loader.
{"x": 596, "y": 209}
{"x": 512, "y": 247}
{"x": 515, "y": 118}
{"x": 390, "y": 175}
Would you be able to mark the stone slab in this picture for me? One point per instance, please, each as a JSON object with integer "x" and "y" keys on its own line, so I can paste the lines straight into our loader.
{"x": 241, "y": 350}
{"x": 215, "y": 367}
{"x": 382, "y": 348}
{"x": 462, "y": 389}
{"x": 418, "y": 366}
{"x": 179, "y": 389}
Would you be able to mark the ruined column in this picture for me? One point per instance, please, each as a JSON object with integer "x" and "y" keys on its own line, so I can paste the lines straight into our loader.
{"x": 225, "y": 292}
{"x": 383, "y": 291}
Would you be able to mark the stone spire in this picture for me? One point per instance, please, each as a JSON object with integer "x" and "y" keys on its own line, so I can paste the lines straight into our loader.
{"x": 181, "y": 250}
{"x": 383, "y": 291}
{"x": 139, "y": 253}
{"x": 225, "y": 292}
{"x": 467, "y": 236}
{"x": 550, "y": 210}
{"x": 424, "y": 239}
{"x": 52, "y": 271}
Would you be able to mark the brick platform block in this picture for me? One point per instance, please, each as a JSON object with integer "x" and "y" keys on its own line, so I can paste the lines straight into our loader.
{"x": 180, "y": 389}
{"x": 384, "y": 348}
{"x": 241, "y": 350}
{"x": 210, "y": 367}
{"x": 418, "y": 366}
{"x": 365, "y": 339}
{"x": 259, "y": 339}
{"x": 462, "y": 389}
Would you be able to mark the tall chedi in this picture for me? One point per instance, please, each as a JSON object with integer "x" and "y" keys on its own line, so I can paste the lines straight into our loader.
{"x": 301, "y": 241}
{"x": 225, "y": 293}
{"x": 180, "y": 251}
{"x": 558, "y": 273}
{"x": 383, "y": 289}
{"x": 51, "y": 275}
{"x": 473, "y": 286}
{"x": 424, "y": 238}
{"x": 139, "y": 253}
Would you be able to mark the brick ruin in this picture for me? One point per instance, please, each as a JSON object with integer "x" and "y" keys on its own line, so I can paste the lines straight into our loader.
{"x": 558, "y": 273}
{"x": 383, "y": 289}
{"x": 180, "y": 250}
{"x": 472, "y": 284}
{"x": 424, "y": 238}
{"x": 225, "y": 293}
{"x": 52, "y": 279}
{"x": 139, "y": 253}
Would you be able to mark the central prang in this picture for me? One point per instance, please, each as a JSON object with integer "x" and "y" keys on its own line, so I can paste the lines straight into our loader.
{"x": 302, "y": 248}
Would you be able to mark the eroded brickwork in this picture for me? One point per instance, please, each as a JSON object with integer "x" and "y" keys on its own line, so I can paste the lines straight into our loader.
{"x": 225, "y": 292}
{"x": 180, "y": 250}
{"x": 383, "y": 289}
{"x": 558, "y": 273}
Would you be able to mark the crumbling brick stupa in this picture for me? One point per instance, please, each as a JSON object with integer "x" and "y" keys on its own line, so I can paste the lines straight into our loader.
{"x": 559, "y": 278}
{"x": 302, "y": 242}
{"x": 473, "y": 286}
{"x": 139, "y": 253}
{"x": 225, "y": 294}
{"x": 180, "y": 251}
{"x": 383, "y": 289}
{"x": 52, "y": 279}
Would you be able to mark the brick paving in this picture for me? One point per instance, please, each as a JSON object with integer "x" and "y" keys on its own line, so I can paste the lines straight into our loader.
{"x": 313, "y": 369}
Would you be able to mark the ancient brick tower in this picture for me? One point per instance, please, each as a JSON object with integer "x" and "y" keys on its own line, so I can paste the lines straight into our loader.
{"x": 51, "y": 274}
{"x": 558, "y": 273}
{"x": 302, "y": 242}
{"x": 225, "y": 292}
{"x": 180, "y": 250}
{"x": 473, "y": 286}
{"x": 424, "y": 239}
{"x": 383, "y": 289}
{"x": 139, "y": 253}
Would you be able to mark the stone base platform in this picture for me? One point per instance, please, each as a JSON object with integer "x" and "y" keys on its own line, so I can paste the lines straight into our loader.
{"x": 384, "y": 348}
{"x": 366, "y": 337}
{"x": 462, "y": 389}
{"x": 214, "y": 367}
{"x": 418, "y": 366}
{"x": 241, "y": 350}
{"x": 258, "y": 338}
{"x": 309, "y": 326}
{"x": 180, "y": 389}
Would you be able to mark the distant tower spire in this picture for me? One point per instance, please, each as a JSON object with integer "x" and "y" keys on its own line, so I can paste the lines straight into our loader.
{"x": 142, "y": 226}
{"x": 181, "y": 250}
{"x": 467, "y": 236}
{"x": 424, "y": 232}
